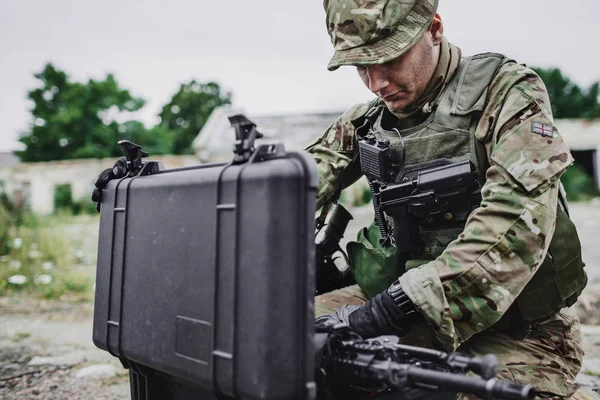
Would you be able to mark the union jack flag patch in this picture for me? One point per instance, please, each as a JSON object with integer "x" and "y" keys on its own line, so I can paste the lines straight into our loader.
{"x": 542, "y": 129}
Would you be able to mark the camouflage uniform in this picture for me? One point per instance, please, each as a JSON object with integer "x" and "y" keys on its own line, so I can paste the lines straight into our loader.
{"x": 464, "y": 292}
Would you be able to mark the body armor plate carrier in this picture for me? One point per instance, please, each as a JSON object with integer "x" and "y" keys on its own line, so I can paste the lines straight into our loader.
{"x": 449, "y": 134}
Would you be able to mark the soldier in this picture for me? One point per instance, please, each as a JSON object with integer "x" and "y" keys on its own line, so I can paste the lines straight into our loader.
{"x": 497, "y": 279}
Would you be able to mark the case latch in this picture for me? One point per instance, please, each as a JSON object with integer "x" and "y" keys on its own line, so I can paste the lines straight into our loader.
{"x": 134, "y": 154}
{"x": 245, "y": 134}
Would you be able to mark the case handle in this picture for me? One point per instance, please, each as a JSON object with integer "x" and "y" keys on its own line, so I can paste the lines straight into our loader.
{"x": 267, "y": 151}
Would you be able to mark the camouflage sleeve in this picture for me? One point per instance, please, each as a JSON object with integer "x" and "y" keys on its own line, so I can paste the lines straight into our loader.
{"x": 333, "y": 152}
{"x": 476, "y": 279}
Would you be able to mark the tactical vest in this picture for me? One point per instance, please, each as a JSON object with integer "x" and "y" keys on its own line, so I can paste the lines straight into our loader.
{"x": 449, "y": 132}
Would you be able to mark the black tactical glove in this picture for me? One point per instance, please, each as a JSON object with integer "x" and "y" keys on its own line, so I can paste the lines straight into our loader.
{"x": 119, "y": 170}
{"x": 388, "y": 313}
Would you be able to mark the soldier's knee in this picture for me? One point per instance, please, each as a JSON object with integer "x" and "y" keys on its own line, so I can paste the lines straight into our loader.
{"x": 585, "y": 394}
{"x": 329, "y": 302}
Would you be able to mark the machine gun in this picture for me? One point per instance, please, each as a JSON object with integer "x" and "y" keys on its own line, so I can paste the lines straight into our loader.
{"x": 351, "y": 367}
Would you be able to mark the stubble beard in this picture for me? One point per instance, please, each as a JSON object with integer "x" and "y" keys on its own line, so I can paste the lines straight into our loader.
{"x": 429, "y": 58}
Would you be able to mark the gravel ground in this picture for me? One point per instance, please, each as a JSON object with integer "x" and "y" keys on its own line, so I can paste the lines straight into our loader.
{"x": 62, "y": 330}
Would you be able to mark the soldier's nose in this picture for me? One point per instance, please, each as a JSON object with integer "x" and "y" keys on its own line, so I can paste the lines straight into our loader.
{"x": 377, "y": 79}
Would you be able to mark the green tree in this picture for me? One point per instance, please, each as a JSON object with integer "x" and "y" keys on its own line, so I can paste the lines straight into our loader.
{"x": 188, "y": 111}
{"x": 568, "y": 99}
{"x": 156, "y": 140}
{"x": 77, "y": 120}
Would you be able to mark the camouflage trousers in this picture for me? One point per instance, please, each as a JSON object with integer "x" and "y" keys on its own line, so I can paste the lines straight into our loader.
{"x": 548, "y": 358}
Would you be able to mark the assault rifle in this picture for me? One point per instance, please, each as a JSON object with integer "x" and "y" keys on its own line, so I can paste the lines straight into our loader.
{"x": 429, "y": 195}
{"x": 430, "y": 192}
{"x": 353, "y": 368}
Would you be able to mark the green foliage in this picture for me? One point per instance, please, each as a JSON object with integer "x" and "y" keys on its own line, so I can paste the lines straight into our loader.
{"x": 156, "y": 141}
{"x": 62, "y": 197}
{"x": 71, "y": 120}
{"x": 188, "y": 111}
{"x": 6, "y": 222}
{"x": 45, "y": 251}
{"x": 19, "y": 336}
{"x": 567, "y": 98}
{"x": 367, "y": 196}
{"x": 74, "y": 120}
{"x": 64, "y": 203}
{"x": 10, "y": 216}
{"x": 578, "y": 184}
{"x": 84, "y": 206}
{"x": 66, "y": 284}
{"x": 356, "y": 195}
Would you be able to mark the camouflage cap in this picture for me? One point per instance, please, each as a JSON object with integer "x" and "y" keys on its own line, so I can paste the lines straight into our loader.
{"x": 375, "y": 31}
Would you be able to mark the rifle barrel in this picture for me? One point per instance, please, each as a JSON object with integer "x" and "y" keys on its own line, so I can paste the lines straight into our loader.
{"x": 479, "y": 387}
{"x": 485, "y": 366}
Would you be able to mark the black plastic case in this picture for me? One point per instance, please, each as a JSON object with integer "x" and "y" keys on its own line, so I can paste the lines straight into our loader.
{"x": 205, "y": 278}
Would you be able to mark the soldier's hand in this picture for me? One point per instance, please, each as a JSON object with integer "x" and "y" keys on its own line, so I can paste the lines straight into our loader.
{"x": 325, "y": 323}
{"x": 119, "y": 170}
{"x": 378, "y": 316}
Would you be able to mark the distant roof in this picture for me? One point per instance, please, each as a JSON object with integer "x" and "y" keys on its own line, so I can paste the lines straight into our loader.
{"x": 296, "y": 131}
{"x": 580, "y": 134}
{"x": 8, "y": 159}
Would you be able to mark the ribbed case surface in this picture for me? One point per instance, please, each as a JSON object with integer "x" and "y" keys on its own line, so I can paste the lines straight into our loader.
{"x": 205, "y": 274}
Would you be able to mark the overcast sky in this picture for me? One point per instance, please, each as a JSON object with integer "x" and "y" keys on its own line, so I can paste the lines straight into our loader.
{"x": 271, "y": 54}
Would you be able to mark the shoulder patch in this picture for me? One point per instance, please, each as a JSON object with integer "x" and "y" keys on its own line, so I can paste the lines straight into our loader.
{"x": 542, "y": 129}
{"x": 533, "y": 160}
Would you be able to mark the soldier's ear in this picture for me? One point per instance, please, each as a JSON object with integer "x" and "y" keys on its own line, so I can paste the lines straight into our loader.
{"x": 437, "y": 29}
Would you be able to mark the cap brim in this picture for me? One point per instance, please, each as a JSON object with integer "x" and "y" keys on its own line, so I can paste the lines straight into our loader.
{"x": 399, "y": 42}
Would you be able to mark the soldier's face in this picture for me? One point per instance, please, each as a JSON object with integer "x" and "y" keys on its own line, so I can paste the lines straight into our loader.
{"x": 401, "y": 81}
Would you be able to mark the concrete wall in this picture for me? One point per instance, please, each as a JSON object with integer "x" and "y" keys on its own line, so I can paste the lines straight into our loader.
{"x": 34, "y": 183}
